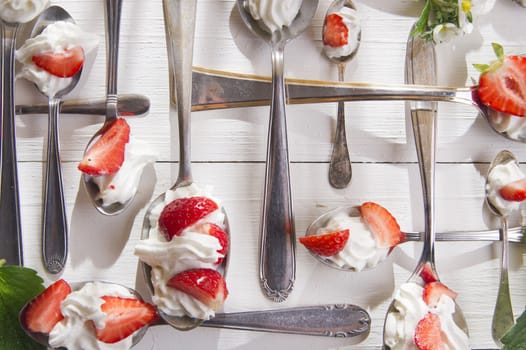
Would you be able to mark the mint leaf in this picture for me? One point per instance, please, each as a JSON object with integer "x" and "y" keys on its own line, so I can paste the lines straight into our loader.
{"x": 515, "y": 339}
{"x": 18, "y": 285}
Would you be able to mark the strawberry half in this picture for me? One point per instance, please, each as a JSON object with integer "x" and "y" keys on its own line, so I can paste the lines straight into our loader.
{"x": 382, "y": 224}
{"x": 62, "y": 64}
{"x": 335, "y": 32}
{"x": 183, "y": 212}
{"x": 326, "y": 244}
{"x": 43, "y": 312}
{"x": 433, "y": 292}
{"x": 514, "y": 191}
{"x": 428, "y": 333}
{"x": 220, "y": 234}
{"x": 502, "y": 84}
{"x": 106, "y": 155}
{"x": 124, "y": 316}
{"x": 206, "y": 285}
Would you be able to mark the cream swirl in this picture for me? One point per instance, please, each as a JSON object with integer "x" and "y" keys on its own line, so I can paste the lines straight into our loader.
{"x": 275, "y": 14}
{"x": 21, "y": 11}
{"x": 499, "y": 176}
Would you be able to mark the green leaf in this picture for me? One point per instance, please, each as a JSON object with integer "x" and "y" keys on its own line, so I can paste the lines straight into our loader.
{"x": 18, "y": 285}
{"x": 481, "y": 67}
{"x": 499, "y": 50}
{"x": 515, "y": 339}
{"x": 421, "y": 24}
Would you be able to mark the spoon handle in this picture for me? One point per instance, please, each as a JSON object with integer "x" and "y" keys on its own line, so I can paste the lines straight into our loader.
{"x": 10, "y": 228}
{"x": 113, "y": 21}
{"x": 324, "y": 320}
{"x": 54, "y": 223}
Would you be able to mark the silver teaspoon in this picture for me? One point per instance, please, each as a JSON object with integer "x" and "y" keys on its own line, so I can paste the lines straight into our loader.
{"x": 340, "y": 171}
{"x": 503, "y": 315}
{"x": 54, "y": 218}
{"x": 277, "y": 241}
{"x": 332, "y": 320}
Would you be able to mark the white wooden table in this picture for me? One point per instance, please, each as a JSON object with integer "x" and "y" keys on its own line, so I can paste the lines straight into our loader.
{"x": 229, "y": 154}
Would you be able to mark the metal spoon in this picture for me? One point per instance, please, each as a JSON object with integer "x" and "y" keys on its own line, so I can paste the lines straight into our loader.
{"x": 113, "y": 20}
{"x": 54, "y": 218}
{"x": 277, "y": 246}
{"x": 332, "y": 320}
{"x": 503, "y": 315}
{"x": 179, "y": 16}
{"x": 340, "y": 171}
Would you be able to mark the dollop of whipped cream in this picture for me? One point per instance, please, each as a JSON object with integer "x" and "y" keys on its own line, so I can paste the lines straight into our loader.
{"x": 352, "y": 21}
{"x": 80, "y": 307}
{"x": 500, "y": 176}
{"x": 21, "y": 11}
{"x": 121, "y": 186}
{"x": 275, "y": 14}
{"x": 361, "y": 249}
{"x": 189, "y": 250}
{"x": 56, "y": 37}
{"x": 410, "y": 309}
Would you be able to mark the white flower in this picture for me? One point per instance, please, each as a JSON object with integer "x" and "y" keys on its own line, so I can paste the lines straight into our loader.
{"x": 445, "y": 32}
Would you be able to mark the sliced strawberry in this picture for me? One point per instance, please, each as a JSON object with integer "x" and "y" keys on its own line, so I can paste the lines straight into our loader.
{"x": 220, "y": 234}
{"x": 326, "y": 244}
{"x": 183, "y": 212}
{"x": 382, "y": 224}
{"x": 428, "y": 274}
{"x": 335, "y": 32}
{"x": 124, "y": 316}
{"x": 106, "y": 155}
{"x": 43, "y": 312}
{"x": 514, "y": 191}
{"x": 433, "y": 292}
{"x": 206, "y": 285}
{"x": 428, "y": 333}
{"x": 502, "y": 84}
{"x": 62, "y": 64}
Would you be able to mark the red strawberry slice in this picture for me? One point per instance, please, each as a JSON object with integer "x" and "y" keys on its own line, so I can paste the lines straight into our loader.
{"x": 433, "y": 292}
{"x": 335, "y": 32}
{"x": 514, "y": 191}
{"x": 382, "y": 224}
{"x": 219, "y": 233}
{"x": 183, "y": 212}
{"x": 428, "y": 333}
{"x": 106, "y": 155}
{"x": 124, "y": 317}
{"x": 502, "y": 84}
{"x": 206, "y": 285}
{"x": 43, "y": 312}
{"x": 428, "y": 274}
{"x": 326, "y": 244}
{"x": 62, "y": 64}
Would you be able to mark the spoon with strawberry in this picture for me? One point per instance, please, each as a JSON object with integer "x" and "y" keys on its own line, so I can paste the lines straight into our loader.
{"x": 341, "y": 40}
{"x": 505, "y": 189}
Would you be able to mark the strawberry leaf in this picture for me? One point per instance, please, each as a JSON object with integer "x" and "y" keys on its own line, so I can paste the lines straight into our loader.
{"x": 481, "y": 67}
{"x": 515, "y": 339}
{"x": 18, "y": 285}
{"x": 499, "y": 50}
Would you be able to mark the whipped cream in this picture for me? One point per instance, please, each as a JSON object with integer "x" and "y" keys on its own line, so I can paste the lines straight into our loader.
{"x": 410, "y": 308}
{"x": 275, "y": 14}
{"x": 361, "y": 249}
{"x": 56, "y": 37}
{"x": 513, "y": 126}
{"x": 75, "y": 331}
{"x": 352, "y": 21}
{"x": 21, "y": 11}
{"x": 500, "y": 176}
{"x": 121, "y": 186}
{"x": 189, "y": 250}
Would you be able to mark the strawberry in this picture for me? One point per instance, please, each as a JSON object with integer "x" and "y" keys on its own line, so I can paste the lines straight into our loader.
{"x": 206, "y": 285}
{"x": 382, "y": 224}
{"x": 514, "y": 191}
{"x": 326, "y": 244}
{"x": 428, "y": 274}
{"x": 219, "y": 233}
{"x": 183, "y": 212}
{"x": 63, "y": 64}
{"x": 43, "y": 312}
{"x": 433, "y": 292}
{"x": 428, "y": 333}
{"x": 335, "y": 32}
{"x": 502, "y": 84}
{"x": 124, "y": 316}
{"x": 106, "y": 156}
